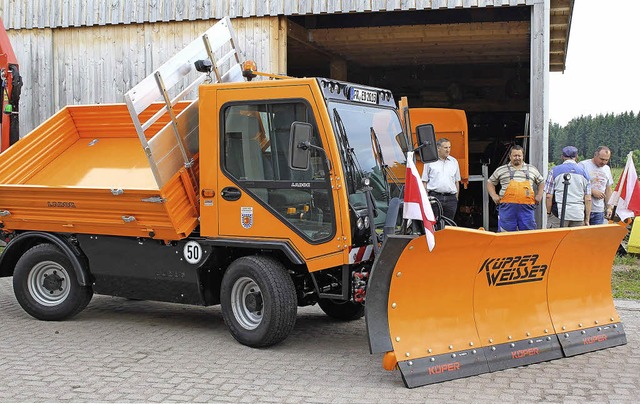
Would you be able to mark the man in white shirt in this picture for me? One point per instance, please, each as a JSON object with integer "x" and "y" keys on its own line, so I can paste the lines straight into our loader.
{"x": 442, "y": 179}
{"x": 601, "y": 182}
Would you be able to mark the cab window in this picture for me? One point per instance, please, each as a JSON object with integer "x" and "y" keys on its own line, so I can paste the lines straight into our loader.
{"x": 256, "y": 156}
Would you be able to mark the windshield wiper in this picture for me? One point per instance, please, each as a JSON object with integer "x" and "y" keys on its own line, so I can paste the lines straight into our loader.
{"x": 355, "y": 171}
{"x": 349, "y": 155}
{"x": 379, "y": 157}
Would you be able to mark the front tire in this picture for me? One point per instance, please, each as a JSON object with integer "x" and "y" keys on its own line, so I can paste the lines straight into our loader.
{"x": 346, "y": 311}
{"x": 259, "y": 303}
{"x": 46, "y": 285}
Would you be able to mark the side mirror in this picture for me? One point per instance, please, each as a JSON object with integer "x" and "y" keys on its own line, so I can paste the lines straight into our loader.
{"x": 299, "y": 145}
{"x": 401, "y": 139}
{"x": 427, "y": 143}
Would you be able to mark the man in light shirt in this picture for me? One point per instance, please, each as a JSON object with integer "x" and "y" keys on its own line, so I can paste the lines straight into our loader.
{"x": 578, "y": 198}
{"x": 601, "y": 182}
{"x": 442, "y": 179}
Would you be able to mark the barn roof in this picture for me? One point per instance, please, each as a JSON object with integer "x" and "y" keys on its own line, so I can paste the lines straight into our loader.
{"x": 504, "y": 37}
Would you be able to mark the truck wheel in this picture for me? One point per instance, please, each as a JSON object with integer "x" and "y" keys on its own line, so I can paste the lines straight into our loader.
{"x": 259, "y": 302}
{"x": 346, "y": 311}
{"x": 46, "y": 285}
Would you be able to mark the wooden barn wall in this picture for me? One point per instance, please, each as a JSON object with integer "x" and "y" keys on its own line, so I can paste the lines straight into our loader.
{"x": 100, "y": 64}
{"x": 29, "y": 14}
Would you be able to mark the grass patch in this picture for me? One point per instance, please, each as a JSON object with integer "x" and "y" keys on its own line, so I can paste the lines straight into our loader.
{"x": 616, "y": 173}
{"x": 627, "y": 260}
{"x": 625, "y": 279}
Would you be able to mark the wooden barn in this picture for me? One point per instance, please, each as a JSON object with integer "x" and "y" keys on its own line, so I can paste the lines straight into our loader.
{"x": 491, "y": 58}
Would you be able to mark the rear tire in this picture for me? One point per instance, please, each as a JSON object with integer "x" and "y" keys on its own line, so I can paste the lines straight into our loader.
{"x": 46, "y": 284}
{"x": 259, "y": 303}
{"x": 346, "y": 311}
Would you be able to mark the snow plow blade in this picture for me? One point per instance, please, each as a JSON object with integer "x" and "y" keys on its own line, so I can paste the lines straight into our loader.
{"x": 482, "y": 302}
{"x": 580, "y": 302}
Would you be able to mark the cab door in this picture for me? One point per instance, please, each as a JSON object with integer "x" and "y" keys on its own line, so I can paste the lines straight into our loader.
{"x": 258, "y": 196}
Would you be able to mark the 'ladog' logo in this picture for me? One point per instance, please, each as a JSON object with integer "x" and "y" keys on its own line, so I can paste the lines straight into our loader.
{"x": 502, "y": 271}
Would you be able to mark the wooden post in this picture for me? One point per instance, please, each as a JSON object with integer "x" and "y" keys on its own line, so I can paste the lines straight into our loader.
{"x": 539, "y": 99}
{"x": 338, "y": 68}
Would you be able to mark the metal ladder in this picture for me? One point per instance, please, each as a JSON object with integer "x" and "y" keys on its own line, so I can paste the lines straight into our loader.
{"x": 176, "y": 144}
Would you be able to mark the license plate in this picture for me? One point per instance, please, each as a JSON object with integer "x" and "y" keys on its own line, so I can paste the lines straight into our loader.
{"x": 362, "y": 95}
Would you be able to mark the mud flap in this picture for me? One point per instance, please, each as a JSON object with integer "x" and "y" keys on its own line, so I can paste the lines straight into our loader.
{"x": 483, "y": 302}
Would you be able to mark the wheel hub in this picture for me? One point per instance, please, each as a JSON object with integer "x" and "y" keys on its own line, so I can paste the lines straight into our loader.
{"x": 48, "y": 283}
{"x": 52, "y": 282}
{"x": 247, "y": 303}
{"x": 253, "y": 302}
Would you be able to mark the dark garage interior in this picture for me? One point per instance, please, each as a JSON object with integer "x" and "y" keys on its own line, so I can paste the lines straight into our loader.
{"x": 476, "y": 60}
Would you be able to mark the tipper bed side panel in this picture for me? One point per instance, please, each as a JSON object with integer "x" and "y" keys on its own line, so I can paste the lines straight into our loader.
{"x": 32, "y": 153}
{"x": 137, "y": 213}
{"x": 91, "y": 122}
{"x": 181, "y": 201}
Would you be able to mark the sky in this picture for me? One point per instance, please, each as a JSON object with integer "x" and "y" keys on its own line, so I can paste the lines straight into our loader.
{"x": 602, "y": 73}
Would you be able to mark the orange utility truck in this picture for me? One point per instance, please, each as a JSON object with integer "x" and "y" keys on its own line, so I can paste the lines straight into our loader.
{"x": 266, "y": 195}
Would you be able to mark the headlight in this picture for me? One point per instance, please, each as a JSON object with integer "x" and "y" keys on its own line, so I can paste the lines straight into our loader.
{"x": 366, "y": 221}
{"x": 360, "y": 223}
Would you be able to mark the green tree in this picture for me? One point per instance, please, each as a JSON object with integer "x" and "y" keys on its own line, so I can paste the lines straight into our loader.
{"x": 620, "y": 132}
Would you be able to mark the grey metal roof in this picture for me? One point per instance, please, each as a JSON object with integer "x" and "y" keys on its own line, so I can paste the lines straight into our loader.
{"x": 28, "y": 14}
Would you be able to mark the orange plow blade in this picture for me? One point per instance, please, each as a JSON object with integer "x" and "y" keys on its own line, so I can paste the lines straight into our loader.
{"x": 483, "y": 301}
{"x": 580, "y": 302}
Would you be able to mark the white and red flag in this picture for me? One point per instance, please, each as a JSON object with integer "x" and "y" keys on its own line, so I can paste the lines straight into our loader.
{"x": 416, "y": 202}
{"x": 627, "y": 194}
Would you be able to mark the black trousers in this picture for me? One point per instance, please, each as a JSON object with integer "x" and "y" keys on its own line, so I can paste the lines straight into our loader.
{"x": 449, "y": 204}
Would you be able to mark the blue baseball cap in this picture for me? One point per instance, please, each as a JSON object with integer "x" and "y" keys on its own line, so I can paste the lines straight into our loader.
{"x": 570, "y": 152}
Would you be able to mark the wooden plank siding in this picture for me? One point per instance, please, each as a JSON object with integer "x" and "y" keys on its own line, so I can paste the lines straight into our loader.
{"x": 31, "y": 14}
{"x": 99, "y": 64}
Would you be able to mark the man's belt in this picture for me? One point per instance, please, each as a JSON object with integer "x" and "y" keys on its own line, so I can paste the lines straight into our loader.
{"x": 442, "y": 193}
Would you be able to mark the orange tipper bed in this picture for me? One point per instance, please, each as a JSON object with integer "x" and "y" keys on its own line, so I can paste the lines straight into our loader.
{"x": 85, "y": 171}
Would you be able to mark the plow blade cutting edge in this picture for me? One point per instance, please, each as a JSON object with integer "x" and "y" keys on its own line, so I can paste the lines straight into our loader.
{"x": 482, "y": 301}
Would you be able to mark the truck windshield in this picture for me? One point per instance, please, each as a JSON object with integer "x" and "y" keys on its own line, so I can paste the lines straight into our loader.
{"x": 355, "y": 122}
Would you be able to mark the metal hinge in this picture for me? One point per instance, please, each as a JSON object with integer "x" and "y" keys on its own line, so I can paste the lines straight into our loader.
{"x": 117, "y": 192}
{"x": 4, "y": 213}
{"x": 154, "y": 199}
{"x": 128, "y": 219}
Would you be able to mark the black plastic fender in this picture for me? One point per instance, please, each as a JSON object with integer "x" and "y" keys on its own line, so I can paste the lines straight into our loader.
{"x": 21, "y": 243}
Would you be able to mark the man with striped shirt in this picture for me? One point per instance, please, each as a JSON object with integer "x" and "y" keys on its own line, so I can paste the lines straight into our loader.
{"x": 517, "y": 200}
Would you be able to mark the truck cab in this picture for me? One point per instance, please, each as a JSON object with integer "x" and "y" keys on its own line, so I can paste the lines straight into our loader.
{"x": 320, "y": 211}
{"x": 323, "y": 219}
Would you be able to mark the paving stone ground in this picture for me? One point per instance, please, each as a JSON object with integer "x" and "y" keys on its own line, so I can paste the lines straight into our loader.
{"x": 120, "y": 350}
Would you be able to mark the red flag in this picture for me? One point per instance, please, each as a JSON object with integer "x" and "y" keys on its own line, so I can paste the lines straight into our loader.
{"x": 627, "y": 194}
{"x": 416, "y": 202}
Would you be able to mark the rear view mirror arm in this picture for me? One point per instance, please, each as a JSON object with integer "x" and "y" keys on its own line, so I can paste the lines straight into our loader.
{"x": 420, "y": 146}
{"x": 306, "y": 145}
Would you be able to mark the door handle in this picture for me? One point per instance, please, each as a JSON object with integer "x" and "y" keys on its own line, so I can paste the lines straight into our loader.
{"x": 231, "y": 193}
